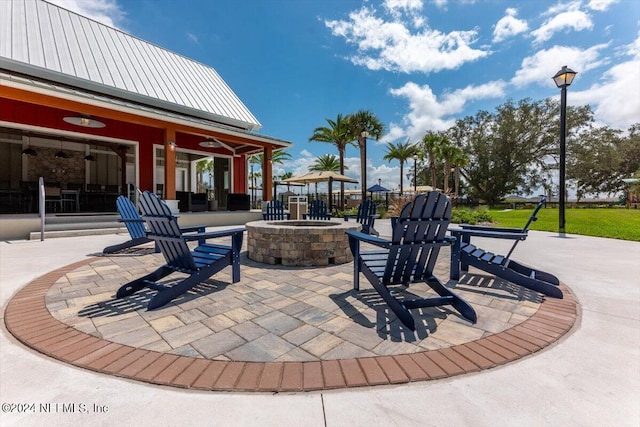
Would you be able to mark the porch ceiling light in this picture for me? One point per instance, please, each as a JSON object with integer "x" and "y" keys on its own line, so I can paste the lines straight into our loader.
{"x": 211, "y": 143}
{"x": 84, "y": 121}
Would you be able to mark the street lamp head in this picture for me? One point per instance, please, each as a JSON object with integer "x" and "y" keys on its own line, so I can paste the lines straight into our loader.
{"x": 364, "y": 133}
{"x": 564, "y": 77}
{"x": 415, "y": 157}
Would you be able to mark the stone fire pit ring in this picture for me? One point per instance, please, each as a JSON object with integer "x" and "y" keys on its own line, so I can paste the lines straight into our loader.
{"x": 301, "y": 243}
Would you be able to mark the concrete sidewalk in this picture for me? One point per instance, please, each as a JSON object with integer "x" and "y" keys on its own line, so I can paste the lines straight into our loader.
{"x": 592, "y": 377}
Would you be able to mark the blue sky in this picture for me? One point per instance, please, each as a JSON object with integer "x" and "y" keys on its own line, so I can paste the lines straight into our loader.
{"x": 417, "y": 64}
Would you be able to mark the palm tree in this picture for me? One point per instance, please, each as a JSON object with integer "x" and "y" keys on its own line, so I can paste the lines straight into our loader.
{"x": 458, "y": 160}
{"x": 286, "y": 175}
{"x": 401, "y": 152}
{"x": 336, "y": 133}
{"x": 364, "y": 124}
{"x": 431, "y": 143}
{"x": 277, "y": 157}
{"x": 326, "y": 162}
{"x": 446, "y": 152}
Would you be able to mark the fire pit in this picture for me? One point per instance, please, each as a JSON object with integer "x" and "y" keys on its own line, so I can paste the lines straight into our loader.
{"x": 299, "y": 242}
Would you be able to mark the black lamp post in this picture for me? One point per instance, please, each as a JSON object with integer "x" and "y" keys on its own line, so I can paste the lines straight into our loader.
{"x": 253, "y": 183}
{"x": 415, "y": 173}
{"x": 364, "y": 134}
{"x": 563, "y": 80}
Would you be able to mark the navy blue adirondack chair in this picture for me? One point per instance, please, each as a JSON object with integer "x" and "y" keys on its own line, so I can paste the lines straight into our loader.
{"x": 410, "y": 256}
{"x": 136, "y": 227}
{"x": 199, "y": 264}
{"x": 275, "y": 211}
{"x": 465, "y": 254}
{"x": 366, "y": 216}
{"x": 317, "y": 210}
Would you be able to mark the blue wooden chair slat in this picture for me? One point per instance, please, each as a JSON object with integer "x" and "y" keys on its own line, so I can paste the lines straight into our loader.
{"x": 274, "y": 211}
{"x": 409, "y": 257}
{"x": 465, "y": 254}
{"x": 136, "y": 226}
{"x": 317, "y": 210}
{"x": 133, "y": 222}
{"x": 204, "y": 261}
{"x": 366, "y": 216}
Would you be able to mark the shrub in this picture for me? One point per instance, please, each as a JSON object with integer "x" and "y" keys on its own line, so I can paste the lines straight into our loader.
{"x": 469, "y": 216}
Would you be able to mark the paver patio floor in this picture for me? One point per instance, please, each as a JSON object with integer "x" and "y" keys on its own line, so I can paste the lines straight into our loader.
{"x": 278, "y": 329}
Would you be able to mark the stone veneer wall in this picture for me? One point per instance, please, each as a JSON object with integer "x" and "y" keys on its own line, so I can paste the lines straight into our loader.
{"x": 299, "y": 246}
{"x": 55, "y": 170}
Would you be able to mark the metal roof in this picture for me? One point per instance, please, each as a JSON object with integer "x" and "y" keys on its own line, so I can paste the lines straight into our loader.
{"x": 42, "y": 40}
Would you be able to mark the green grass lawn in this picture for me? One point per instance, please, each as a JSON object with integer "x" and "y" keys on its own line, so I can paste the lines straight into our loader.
{"x": 599, "y": 222}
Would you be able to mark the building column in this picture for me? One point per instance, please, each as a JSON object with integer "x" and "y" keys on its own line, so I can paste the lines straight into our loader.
{"x": 170, "y": 164}
{"x": 267, "y": 174}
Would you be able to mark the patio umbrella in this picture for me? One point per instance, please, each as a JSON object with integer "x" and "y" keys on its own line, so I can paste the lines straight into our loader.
{"x": 376, "y": 189}
{"x": 321, "y": 176}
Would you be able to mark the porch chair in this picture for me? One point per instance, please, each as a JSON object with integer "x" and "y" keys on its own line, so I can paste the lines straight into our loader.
{"x": 136, "y": 226}
{"x": 199, "y": 264}
{"x": 274, "y": 211}
{"x": 317, "y": 210}
{"x": 465, "y": 254}
{"x": 366, "y": 216}
{"x": 410, "y": 256}
{"x": 53, "y": 198}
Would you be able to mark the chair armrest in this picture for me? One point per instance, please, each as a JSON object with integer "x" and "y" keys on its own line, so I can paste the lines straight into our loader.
{"x": 489, "y": 228}
{"x": 491, "y": 234}
{"x": 368, "y": 238}
{"x": 193, "y": 228}
{"x": 213, "y": 234}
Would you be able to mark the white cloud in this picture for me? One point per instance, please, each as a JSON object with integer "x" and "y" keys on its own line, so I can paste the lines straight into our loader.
{"x": 391, "y": 46}
{"x": 541, "y": 67}
{"x": 108, "y": 12}
{"x": 563, "y": 17}
{"x": 193, "y": 38}
{"x": 427, "y": 112}
{"x": 601, "y": 5}
{"x": 509, "y": 26}
{"x": 411, "y": 8}
{"x": 616, "y": 98}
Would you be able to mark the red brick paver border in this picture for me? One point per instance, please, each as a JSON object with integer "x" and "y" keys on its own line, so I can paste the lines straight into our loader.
{"x": 29, "y": 320}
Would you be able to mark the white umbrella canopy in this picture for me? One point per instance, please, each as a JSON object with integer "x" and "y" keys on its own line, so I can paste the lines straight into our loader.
{"x": 320, "y": 176}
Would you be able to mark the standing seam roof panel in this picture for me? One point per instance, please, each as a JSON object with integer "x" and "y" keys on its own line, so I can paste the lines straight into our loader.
{"x": 170, "y": 93}
{"x": 60, "y": 43}
{"x": 93, "y": 34}
{"x": 190, "y": 95}
{"x": 113, "y": 58}
{"x": 130, "y": 67}
{"x": 46, "y": 41}
{"x": 19, "y": 46}
{"x": 93, "y": 72}
{"x": 71, "y": 36}
{"x": 6, "y": 16}
{"x": 146, "y": 65}
{"x": 139, "y": 72}
{"x": 36, "y": 56}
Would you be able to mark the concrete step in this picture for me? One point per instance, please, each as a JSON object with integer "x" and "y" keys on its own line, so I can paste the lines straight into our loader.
{"x": 75, "y": 233}
{"x": 81, "y": 225}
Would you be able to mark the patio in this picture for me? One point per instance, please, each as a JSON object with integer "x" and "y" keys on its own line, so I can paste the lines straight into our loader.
{"x": 279, "y": 329}
{"x": 589, "y": 378}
